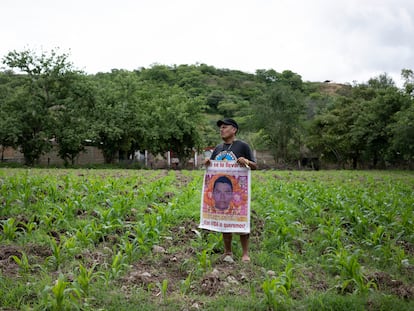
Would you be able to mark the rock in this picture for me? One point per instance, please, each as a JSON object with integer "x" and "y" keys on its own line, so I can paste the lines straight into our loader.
{"x": 158, "y": 249}
{"x": 271, "y": 273}
{"x": 215, "y": 273}
{"x": 228, "y": 259}
{"x": 232, "y": 280}
{"x": 146, "y": 274}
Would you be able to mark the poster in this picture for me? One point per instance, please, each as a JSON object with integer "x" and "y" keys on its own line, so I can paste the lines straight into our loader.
{"x": 225, "y": 198}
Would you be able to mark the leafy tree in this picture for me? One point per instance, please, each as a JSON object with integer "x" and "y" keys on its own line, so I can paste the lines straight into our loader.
{"x": 159, "y": 74}
{"x": 114, "y": 116}
{"x": 375, "y": 116}
{"x": 73, "y": 120}
{"x": 9, "y": 121}
{"x": 214, "y": 98}
{"x": 172, "y": 122}
{"x": 278, "y": 113}
{"x": 408, "y": 77}
{"x": 355, "y": 128}
{"x": 44, "y": 77}
{"x": 329, "y": 132}
{"x": 402, "y": 135}
{"x": 191, "y": 79}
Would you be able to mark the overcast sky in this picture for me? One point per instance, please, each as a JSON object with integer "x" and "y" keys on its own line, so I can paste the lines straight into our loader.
{"x": 339, "y": 40}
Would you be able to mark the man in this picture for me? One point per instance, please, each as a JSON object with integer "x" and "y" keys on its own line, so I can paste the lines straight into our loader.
{"x": 222, "y": 193}
{"x": 238, "y": 150}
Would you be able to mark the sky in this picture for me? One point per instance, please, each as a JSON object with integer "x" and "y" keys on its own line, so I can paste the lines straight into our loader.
{"x": 345, "y": 41}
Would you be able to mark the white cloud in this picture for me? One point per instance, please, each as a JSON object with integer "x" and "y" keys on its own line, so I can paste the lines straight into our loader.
{"x": 340, "y": 40}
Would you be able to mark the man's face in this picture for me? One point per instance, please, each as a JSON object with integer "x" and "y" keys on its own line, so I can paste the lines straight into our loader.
{"x": 227, "y": 131}
{"x": 222, "y": 195}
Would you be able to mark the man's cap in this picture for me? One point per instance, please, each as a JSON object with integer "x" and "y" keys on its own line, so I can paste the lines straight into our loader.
{"x": 228, "y": 122}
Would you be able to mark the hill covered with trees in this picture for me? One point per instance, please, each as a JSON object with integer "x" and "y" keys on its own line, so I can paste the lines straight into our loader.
{"x": 45, "y": 99}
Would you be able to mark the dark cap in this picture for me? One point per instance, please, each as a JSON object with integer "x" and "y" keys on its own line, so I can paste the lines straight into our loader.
{"x": 228, "y": 122}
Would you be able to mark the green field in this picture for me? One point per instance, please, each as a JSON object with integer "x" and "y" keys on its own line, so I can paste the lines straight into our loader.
{"x": 129, "y": 240}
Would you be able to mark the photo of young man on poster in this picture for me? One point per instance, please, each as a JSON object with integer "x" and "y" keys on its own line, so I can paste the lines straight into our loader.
{"x": 225, "y": 200}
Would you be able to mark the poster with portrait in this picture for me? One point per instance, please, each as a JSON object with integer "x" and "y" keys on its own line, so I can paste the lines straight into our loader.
{"x": 225, "y": 198}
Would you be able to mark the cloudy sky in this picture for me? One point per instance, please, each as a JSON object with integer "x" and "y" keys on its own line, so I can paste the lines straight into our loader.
{"x": 339, "y": 40}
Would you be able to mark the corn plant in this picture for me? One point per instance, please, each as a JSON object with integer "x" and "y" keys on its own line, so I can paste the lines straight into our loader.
{"x": 208, "y": 242}
{"x": 146, "y": 233}
{"x": 117, "y": 264}
{"x": 275, "y": 292}
{"x": 185, "y": 285}
{"x": 115, "y": 269}
{"x": 60, "y": 296}
{"x": 87, "y": 234}
{"x": 30, "y": 226}
{"x": 163, "y": 288}
{"x": 204, "y": 262}
{"x": 154, "y": 224}
{"x": 347, "y": 266}
{"x": 9, "y": 229}
{"x": 110, "y": 220}
{"x": 131, "y": 249}
{"x": 22, "y": 262}
{"x": 84, "y": 279}
{"x": 57, "y": 256}
{"x": 377, "y": 236}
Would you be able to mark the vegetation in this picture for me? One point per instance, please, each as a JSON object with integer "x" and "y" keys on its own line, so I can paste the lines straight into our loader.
{"x": 129, "y": 240}
{"x": 45, "y": 100}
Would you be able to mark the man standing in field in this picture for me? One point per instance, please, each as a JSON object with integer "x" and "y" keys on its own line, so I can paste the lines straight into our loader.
{"x": 237, "y": 150}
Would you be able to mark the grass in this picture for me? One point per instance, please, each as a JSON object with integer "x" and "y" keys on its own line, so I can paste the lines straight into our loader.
{"x": 129, "y": 240}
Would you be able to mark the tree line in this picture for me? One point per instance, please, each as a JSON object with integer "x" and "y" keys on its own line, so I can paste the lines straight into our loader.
{"x": 45, "y": 100}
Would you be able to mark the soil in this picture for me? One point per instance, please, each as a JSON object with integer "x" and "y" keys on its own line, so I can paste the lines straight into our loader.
{"x": 385, "y": 282}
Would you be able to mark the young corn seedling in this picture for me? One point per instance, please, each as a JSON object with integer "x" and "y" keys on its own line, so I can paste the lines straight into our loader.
{"x": 154, "y": 223}
{"x": 275, "y": 292}
{"x": 86, "y": 235}
{"x": 59, "y": 292}
{"x": 84, "y": 278}
{"x": 117, "y": 266}
{"x": 131, "y": 249}
{"x": 204, "y": 262}
{"x": 30, "y": 226}
{"x": 9, "y": 229}
{"x": 59, "y": 296}
{"x": 185, "y": 285}
{"x": 22, "y": 262}
{"x": 56, "y": 258}
{"x": 163, "y": 288}
{"x": 348, "y": 267}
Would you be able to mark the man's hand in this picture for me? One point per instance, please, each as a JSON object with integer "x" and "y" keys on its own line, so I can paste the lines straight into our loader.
{"x": 243, "y": 161}
{"x": 247, "y": 163}
{"x": 207, "y": 161}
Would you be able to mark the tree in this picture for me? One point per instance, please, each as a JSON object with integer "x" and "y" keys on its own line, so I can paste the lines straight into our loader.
{"x": 73, "y": 120}
{"x": 116, "y": 116}
{"x": 402, "y": 135}
{"x": 357, "y": 127}
{"x": 173, "y": 121}
{"x": 329, "y": 132}
{"x": 408, "y": 77}
{"x": 43, "y": 78}
{"x": 374, "y": 118}
{"x": 278, "y": 114}
{"x": 9, "y": 121}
